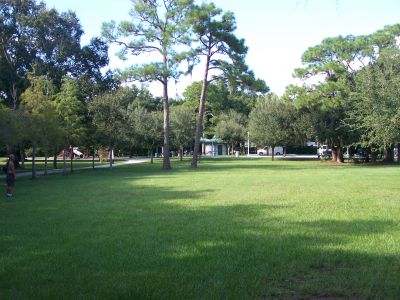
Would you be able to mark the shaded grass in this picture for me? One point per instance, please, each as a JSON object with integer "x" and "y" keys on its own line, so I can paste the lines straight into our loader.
{"x": 40, "y": 165}
{"x": 235, "y": 229}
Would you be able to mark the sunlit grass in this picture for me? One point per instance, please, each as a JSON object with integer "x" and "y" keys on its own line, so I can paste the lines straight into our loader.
{"x": 40, "y": 164}
{"x": 233, "y": 229}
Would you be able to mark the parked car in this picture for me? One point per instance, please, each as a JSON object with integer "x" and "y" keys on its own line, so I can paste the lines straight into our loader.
{"x": 267, "y": 150}
{"x": 263, "y": 151}
{"x": 361, "y": 155}
{"x": 357, "y": 154}
{"x": 323, "y": 150}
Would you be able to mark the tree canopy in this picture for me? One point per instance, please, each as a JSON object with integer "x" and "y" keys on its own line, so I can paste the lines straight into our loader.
{"x": 348, "y": 97}
{"x": 158, "y": 27}
{"x": 33, "y": 38}
{"x": 336, "y": 62}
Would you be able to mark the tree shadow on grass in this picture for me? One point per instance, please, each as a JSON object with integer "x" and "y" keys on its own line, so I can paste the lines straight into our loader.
{"x": 244, "y": 251}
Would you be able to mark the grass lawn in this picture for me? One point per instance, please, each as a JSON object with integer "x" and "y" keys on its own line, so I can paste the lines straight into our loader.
{"x": 40, "y": 164}
{"x": 233, "y": 229}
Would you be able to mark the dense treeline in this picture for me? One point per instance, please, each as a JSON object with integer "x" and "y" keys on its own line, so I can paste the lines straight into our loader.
{"x": 56, "y": 94}
{"x": 356, "y": 99}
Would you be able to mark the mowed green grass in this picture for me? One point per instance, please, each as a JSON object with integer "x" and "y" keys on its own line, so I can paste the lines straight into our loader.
{"x": 40, "y": 165}
{"x": 233, "y": 229}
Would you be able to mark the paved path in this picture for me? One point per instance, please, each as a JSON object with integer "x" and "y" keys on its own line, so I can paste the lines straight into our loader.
{"x": 57, "y": 171}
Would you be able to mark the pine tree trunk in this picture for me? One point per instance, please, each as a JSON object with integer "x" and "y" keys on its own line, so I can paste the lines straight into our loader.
{"x": 166, "y": 160}
{"x": 200, "y": 116}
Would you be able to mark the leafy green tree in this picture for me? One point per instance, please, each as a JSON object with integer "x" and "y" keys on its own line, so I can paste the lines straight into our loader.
{"x": 46, "y": 42}
{"x": 39, "y": 117}
{"x": 32, "y": 36}
{"x": 302, "y": 126}
{"x": 375, "y": 110}
{"x": 332, "y": 60}
{"x": 146, "y": 128}
{"x": 231, "y": 127}
{"x": 337, "y": 61}
{"x": 157, "y": 27}
{"x": 218, "y": 101}
{"x": 221, "y": 49}
{"x": 318, "y": 121}
{"x": 8, "y": 128}
{"x": 268, "y": 122}
{"x": 17, "y": 47}
{"x": 242, "y": 102}
{"x": 71, "y": 112}
{"x": 217, "y": 97}
{"x": 183, "y": 124}
{"x": 88, "y": 64}
{"x": 109, "y": 115}
{"x": 141, "y": 97}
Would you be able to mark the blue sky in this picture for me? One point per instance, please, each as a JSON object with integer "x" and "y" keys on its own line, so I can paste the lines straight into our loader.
{"x": 277, "y": 32}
